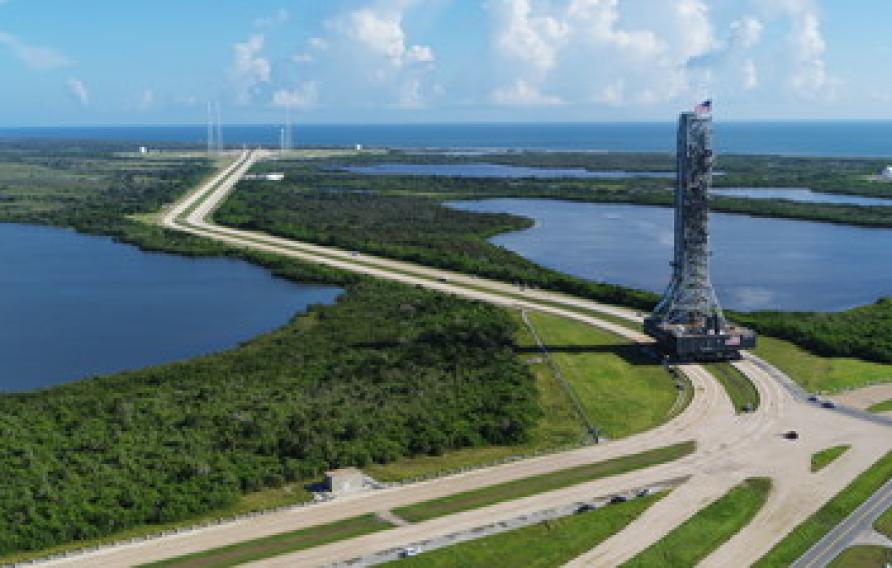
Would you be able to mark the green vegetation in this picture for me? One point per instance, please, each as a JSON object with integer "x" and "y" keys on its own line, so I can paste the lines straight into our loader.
{"x": 408, "y": 227}
{"x": 884, "y": 523}
{"x": 863, "y": 557}
{"x": 622, "y": 391}
{"x": 237, "y": 554}
{"x": 740, "y": 389}
{"x": 545, "y": 545}
{"x": 820, "y": 460}
{"x": 696, "y": 538}
{"x": 388, "y": 371}
{"x": 540, "y": 483}
{"x": 821, "y": 374}
{"x": 860, "y": 332}
{"x": 559, "y": 427}
{"x": 885, "y": 406}
{"x": 831, "y": 514}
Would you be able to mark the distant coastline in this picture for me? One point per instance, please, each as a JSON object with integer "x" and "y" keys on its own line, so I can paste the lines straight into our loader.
{"x": 800, "y": 138}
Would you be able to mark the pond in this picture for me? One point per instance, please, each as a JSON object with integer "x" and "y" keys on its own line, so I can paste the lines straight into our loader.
{"x": 800, "y": 194}
{"x": 484, "y": 170}
{"x": 74, "y": 306}
{"x": 757, "y": 263}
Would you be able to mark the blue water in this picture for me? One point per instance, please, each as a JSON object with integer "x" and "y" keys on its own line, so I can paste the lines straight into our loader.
{"x": 757, "y": 263}
{"x": 800, "y": 194}
{"x": 484, "y": 170}
{"x": 842, "y": 138}
{"x": 74, "y": 306}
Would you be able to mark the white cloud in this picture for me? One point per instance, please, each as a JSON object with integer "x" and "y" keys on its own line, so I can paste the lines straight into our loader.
{"x": 79, "y": 91}
{"x": 303, "y": 97}
{"x": 249, "y": 68}
{"x": 534, "y": 39}
{"x": 317, "y": 43}
{"x": 522, "y": 93}
{"x": 750, "y": 74}
{"x": 746, "y": 32}
{"x": 808, "y": 47}
{"x": 303, "y": 58}
{"x": 381, "y": 33}
{"x": 613, "y": 94}
{"x": 32, "y": 56}
{"x": 146, "y": 100}
{"x": 280, "y": 17}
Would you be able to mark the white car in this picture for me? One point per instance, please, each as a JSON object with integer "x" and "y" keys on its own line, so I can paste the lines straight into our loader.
{"x": 409, "y": 551}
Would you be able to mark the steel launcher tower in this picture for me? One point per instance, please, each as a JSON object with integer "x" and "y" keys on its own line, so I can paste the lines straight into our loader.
{"x": 688, "y": 322}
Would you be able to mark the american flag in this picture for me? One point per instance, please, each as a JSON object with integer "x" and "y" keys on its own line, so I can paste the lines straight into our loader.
{"x": 733, "y": 340}
{"x": 704, "y": 108}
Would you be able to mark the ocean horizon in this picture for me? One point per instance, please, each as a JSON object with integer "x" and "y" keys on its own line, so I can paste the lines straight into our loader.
{"x": 794, "y": 138}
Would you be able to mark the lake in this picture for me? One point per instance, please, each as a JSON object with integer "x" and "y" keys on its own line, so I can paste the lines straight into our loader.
{"x": 74, "y": 306}
{"x": 800, "y": 194}
{"x": 758, "y": 263}
{"x": 484, "y": 170}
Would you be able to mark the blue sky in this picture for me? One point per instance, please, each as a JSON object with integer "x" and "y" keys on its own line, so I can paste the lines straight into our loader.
{"x": 160, "y": 62}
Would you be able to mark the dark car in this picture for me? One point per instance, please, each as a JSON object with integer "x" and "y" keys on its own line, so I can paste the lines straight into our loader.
{"x": 618, "y": 499}
{"x": 813, "y": 398}
{"x": 828, "y": 404}
{"x": 585, "y": 508}
{"x": 791, "y": 435}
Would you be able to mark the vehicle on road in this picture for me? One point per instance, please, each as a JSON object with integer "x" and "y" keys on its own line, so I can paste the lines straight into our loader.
{"x": 618, "y": 499}
{"x": 828, "y": 404}
{"x": 585, "y": 508}
{"x": 813, "y": 398}
{"x": 791, "y": 435}
{"x": 410, "y": 551}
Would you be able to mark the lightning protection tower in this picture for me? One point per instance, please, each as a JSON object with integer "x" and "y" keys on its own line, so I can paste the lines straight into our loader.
{"x": 688, "y": 322}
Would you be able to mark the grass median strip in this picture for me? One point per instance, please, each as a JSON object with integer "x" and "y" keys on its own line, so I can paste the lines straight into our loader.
{"x": 540, "y": 483}
{"x": 275, "y": 545}
{"x": 863, "y": 557}
{"x": 696, "y": 538}
{"x": 544, "y": 545}
{"x": 820, "y": 460}
{"x": 831, "y": 514}
{"x": 740, "y": 389}
{"x": 884, "y": 523}
{"x": 885, "y": 406}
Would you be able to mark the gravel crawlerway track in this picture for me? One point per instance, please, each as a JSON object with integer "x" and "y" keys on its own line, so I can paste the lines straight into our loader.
{"x": 730, "y": 447}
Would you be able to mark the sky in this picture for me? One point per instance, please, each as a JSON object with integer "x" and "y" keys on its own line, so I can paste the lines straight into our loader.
{"x": 112, "y": 62}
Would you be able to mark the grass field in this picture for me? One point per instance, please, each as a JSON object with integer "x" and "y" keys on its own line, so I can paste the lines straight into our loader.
{"x": 742, "y": 392}
{"x": 696, "y": 538}
{"x": 621, "y": 391}
{"x": 884, "y": 523}
{"x": 545, "y": 545}
{"x": 815, "y": 527}
{"x": 275, "y": 545}
{"x": 524, "y": 487}
{"x": 820, "y": 460}
{"x": 885, "y": 406}
{"x": 821, "y": 374}
{"x": 863, "y": 557}
{"x": 620, "y": 388}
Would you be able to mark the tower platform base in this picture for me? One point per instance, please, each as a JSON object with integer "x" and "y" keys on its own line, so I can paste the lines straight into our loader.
{"x": 692, "y": 344}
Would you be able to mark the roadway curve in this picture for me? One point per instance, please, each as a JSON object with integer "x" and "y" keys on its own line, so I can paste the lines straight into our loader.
{"x": 730, "y": 447}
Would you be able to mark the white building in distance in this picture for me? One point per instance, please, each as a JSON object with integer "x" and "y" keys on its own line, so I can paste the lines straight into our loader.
{"x": 887, "y": 173}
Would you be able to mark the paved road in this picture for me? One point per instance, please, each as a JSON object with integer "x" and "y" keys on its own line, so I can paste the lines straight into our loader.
{"x": 730, "y": 447}
{"x": 845, "y": 533}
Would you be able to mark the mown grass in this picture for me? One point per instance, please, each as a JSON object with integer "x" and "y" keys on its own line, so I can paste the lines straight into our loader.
{"x": 863, "y": 557}
{"x": 524, "y": 487}
{"x": 884, "y": 523}
{"x": 820, "y": 460}
{"x": 621, "y": 389}
{"x": 696, "y": 538}
{"x": 275, "y": 545}
{"x": 797, "y": 542}
{"x": 544, "y": 545}
{"x": 821, "y": 374}
{"x": 740, "y": 389}
{"x": 885, "y": 406}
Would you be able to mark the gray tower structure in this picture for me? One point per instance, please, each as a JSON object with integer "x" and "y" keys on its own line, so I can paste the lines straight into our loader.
{"x": 688, "y": 322}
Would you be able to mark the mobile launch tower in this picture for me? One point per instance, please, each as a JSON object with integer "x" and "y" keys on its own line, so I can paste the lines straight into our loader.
{"x": 688, "y": 322}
